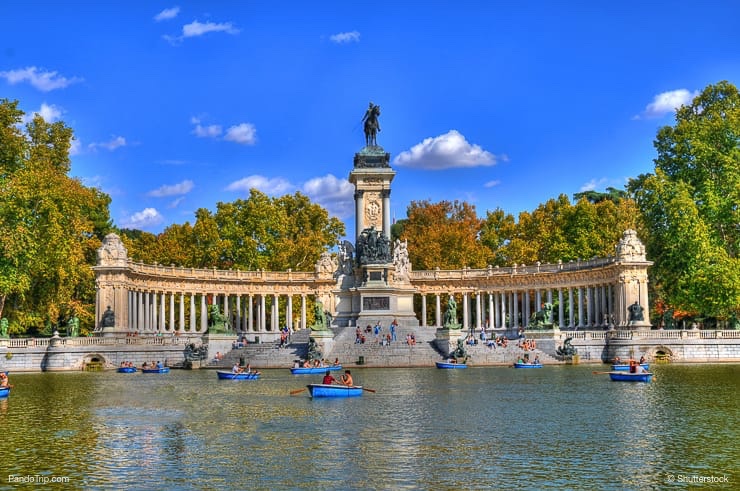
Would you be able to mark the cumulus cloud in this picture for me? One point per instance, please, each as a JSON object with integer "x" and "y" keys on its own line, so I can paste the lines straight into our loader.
{"x": 491, "y": 184}
{"x": 48, "y": 112}
{"x": 244, "y": 133}
{"x": 112, "y": 144}
{"x": 345, "y": 37}
{"x": 444, "y": 152}
{"x": 210, "y": 131}
{"x": 667, "y": 102}
{"x": 336, "y": 195}
{"x": 183, "y": 187}
{"x": 167, "y": 14}
{"x": 75, "y": 147}
{"x": 40, "y": 79}
{"x": 593, "y": 184}
{"x": 271, "y": 186}
{"x": 146, "y": 218}
{"x": 195, "y": 29}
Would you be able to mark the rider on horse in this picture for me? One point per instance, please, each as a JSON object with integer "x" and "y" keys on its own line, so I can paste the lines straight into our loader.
{"x": 372, "y": 127}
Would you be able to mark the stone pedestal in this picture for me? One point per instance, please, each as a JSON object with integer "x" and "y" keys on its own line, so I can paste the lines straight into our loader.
{"x": 446, "y": 339}
{"x": 324, "y": 341}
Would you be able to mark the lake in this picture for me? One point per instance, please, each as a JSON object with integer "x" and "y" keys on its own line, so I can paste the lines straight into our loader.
{"x": 559, "y": 427}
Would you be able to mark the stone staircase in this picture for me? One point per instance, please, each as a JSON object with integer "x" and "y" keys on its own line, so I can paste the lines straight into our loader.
{"x": 374, "y": 354}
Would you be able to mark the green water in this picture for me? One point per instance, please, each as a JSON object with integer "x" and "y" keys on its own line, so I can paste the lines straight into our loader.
{"x": 480, "y": 428}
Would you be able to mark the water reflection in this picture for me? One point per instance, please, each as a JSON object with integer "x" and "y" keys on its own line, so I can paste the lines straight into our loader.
{"x": 479, "y": 428}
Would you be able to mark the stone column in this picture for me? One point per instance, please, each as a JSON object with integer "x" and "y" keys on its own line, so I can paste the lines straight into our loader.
{"x": 516, "y": 309}
{"x": 571, "y": 310}
{"x": 504, "y": 297}
{"x": 162, "y": 311}
{"x": 478, "y": 311}
{"x": 275, "y": 316}
{"x": 303, "y": 311}
{"x": 423, "y": 310}
{"x": 238, "y": 326}
{"x": 610, "y": 304}
{"x": 203, "y": 313}
{"x": 491, "y": 310}
{"x": 289, "y": 312}
{"x": 192, "y": 312}
{"x": 525, "y": 309}
{"x": 438, "y": 312}
{"x": 250, "y": 316}
{"x": 580, "y": 306}
{"x": 262, "y": 314}
{"x": 465, "y": 310}
{"x": 386, "y": 195}
{"x": 181, "y": 324}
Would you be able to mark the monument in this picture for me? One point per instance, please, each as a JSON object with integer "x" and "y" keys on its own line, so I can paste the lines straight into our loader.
{"x": 373, "y": 285}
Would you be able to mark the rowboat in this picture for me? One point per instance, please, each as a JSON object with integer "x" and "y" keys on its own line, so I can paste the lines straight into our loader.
{"x": 620, "y": 376}
{"x": 156, "y": 370}
{"x": 445, "y": 364}
{"x": 527, "y": 365}
{"x": 626, "y": 368}
{"x": 329, "y": 390}
{"x": 222, "y": 374}
{"x": 314, "y": 370}
{"x": 126, "y": 369}
{"x": 4, "y": 392}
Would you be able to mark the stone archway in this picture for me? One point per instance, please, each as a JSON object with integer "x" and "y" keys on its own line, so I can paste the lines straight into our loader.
{"x": 93, "y": 362}
{"x": 661, "y": 354}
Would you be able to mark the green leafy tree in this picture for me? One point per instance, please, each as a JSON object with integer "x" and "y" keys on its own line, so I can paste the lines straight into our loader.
{"x": 691, "y": 218}
{"x": 51, "y": 224}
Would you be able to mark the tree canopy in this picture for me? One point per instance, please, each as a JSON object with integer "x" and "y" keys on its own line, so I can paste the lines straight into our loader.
{"x": 50, "y": 223}
{"x": 689, "y": 206}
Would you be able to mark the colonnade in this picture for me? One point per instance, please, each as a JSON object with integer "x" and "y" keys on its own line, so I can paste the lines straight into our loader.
{"x": 590, "y": 306}
{"x": 166, "y": 312}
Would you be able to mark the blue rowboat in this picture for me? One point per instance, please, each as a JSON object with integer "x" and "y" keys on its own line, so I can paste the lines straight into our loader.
{"x": 527, "y": 365}
{"x": 4, "y": 392}
{"x": 314, "y": 370}
{"x": 224, "y": 375}
{"x": 444, "y": 364}
{"x": 328, "y": 390}
{"x": 156, "y": 370}
{"x": 619, "y": 376}
{"x": 126, "y": 369}
{"x": 626, "y": 368}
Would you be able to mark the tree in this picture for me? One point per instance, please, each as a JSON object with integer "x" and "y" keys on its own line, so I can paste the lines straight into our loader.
{"x": 690, "y": 208}
{"x": 51, "y": 224}
{"x": 444, "y": 235}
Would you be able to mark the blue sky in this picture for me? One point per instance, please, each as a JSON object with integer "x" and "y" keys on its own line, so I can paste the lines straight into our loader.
{"x": 179, "y": 105}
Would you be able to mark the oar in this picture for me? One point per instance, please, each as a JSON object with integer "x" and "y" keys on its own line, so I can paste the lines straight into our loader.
{"x": 297, "y": 391}
{"x": 369, "y": 390}
{"x": 600, "y": 373}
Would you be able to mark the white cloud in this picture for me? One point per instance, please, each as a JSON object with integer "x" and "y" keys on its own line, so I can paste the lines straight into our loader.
{"x": 48, "y": 112}
{"x": 244, "y": 133}
{"x": 444, "y": 152}
{"x": 75, "y": 147}
{"x": 167, "y": 14}
{"x": 175, "y": 203}
{"x": 115, "y": 142}
{"x": 148, "y": 217}
{"x": 210, "y": 131}
{"x": 183, "y": 187}
{"x": 44, "y": 81}
{"x": 667, "y": 102}
{"x": 196, "y": 28}
{"x": 593, "y": 184}
{"x": 345, "y": 37}
{"x": 274, "y": 186}
{"x": 491, "y": 184}
{"x": 336, "y": 195}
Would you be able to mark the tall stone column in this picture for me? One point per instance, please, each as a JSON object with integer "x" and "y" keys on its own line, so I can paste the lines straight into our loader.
{"x": 438, "y": 311}
{"x": 386, "y": 196}
{"x": 359, "y": 207}
{"x": 203, "y": 314}
{"x": 192, "y": 312}
{"x": 423, "y": 310}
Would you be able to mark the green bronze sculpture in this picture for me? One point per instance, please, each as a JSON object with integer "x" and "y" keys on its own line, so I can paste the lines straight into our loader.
{"x": 372, "y": 126}
{"x": 217, "y": 321}
{"x": 73, "y": 327}
{"x": 450, "y": 317}
{"x": 319, "y": 323}
{"x": 3, "y": 327}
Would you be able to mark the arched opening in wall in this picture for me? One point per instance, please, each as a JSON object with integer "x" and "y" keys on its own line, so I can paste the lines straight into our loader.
{"x": 93, "y": 363}
{"x": 662, "y": 355}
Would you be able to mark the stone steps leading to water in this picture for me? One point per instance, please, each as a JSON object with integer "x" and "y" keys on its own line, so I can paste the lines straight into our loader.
{"x": 374, "y": 354}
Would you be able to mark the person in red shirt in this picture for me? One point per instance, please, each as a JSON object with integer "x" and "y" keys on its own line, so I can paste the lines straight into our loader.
{"x": 328, "y": 379}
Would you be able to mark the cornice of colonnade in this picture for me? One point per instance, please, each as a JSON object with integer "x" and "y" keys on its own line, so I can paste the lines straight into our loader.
{"x": 175, "y": 279}
{"x": 573, "y": 274}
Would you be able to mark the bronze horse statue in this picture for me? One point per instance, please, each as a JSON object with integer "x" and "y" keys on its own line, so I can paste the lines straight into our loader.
{"x": 372, "y": 127}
